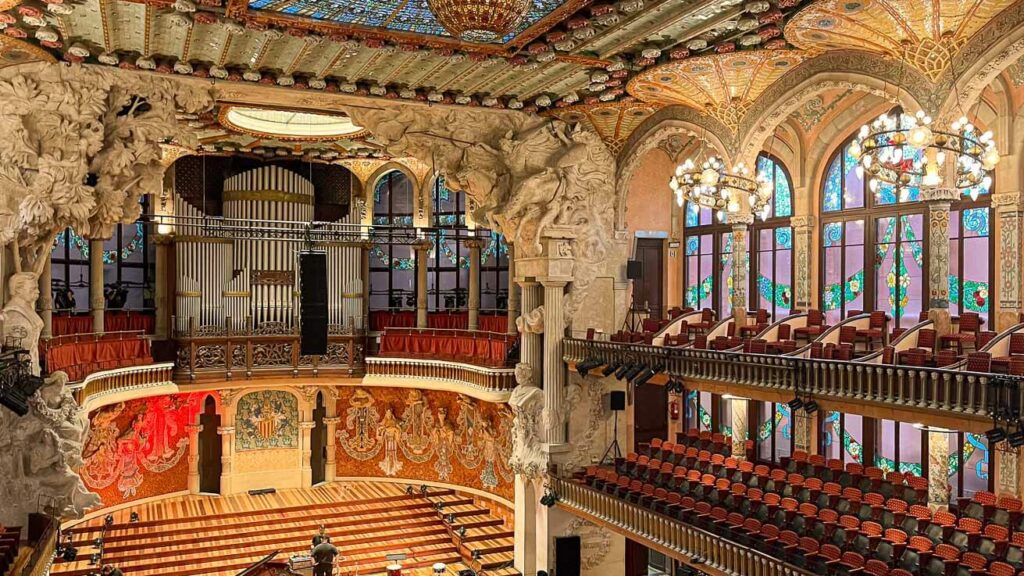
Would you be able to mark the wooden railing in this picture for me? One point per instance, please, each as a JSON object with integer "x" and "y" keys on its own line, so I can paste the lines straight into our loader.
{"x": 248, "y": 354}
{"x": 124, "y": 380}
{"x": 672, "y": 537}
{"x": 481, "y": 378}
{"x": 957, "y": 391}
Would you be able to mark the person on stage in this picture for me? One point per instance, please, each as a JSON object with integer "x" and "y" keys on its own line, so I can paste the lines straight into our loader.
{"x": 110, "y": 570}
{"x": 323, "y": 557}
{"x": 319, "y": 536}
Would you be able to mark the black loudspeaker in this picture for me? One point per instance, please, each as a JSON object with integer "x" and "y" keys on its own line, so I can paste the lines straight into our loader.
{"x": 617, "y": 400}
{"x": 567, "y": 556}
{"x": 313, "y": 288}
{"x": 634, "y": 270}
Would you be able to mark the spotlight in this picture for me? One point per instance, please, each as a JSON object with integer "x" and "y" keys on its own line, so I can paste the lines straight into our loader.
{"x": 622, "y": 370}
{"x": 98, "y": 543}
{"x": 586, "y": 366}
{"x": 610, "y": 368}
{"x": 450, "y": 518}
{"x": 461, "y": 531}
{"x": 1016, "y": 439}
{"x": 439, "y": 568}
{"x": 995, "y": 435}
{"x": 69, "y": 554}
{"x": 795, "y": 404}
{"x": 408, "y": 490}
{"x": 108, "y": 519}
{"x": 643, "y": 378}
{"x": 637, "y": 369}
{"x": 476, "y": 554}
{"x": 549, "y": 498}
{"x": 94, "y": 559}
{"x": 810, "y": 407}
{"x": 423, "y": 489}
{"x": 134, "y": 517}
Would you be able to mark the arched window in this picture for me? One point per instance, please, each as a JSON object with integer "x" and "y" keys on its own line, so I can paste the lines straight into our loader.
{"x": 773, "y": 243}
{"x": 392, "y": 264}
{"x": 876, "y": 224}
{"x": 708, "y": 262}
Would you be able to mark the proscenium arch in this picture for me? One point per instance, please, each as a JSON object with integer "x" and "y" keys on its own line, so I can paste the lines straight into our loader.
{"x": 646, "y": 138}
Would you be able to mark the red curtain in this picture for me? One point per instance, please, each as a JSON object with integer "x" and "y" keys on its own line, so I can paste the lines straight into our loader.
{"x": 383, "y": 319}
{"x": 79, "y": 359}
{"x": 113, "y": 321}
{"x": 452, "y": 345}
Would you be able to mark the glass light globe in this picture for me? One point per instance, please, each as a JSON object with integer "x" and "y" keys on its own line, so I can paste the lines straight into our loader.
{"x": 919, "y": 136}
{"x": 709, "y": 177}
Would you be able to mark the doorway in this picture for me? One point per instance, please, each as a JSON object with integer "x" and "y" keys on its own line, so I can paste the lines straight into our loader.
{"x": 209, "y": 448}
{"x": 650, "y": 414}
{"x": 648, "y": 289}
{"x": 318, "y": 441}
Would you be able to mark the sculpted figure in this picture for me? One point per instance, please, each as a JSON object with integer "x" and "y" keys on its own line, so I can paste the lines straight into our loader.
{"x": 22, "y": 326}
{"x": 527, "y": 453}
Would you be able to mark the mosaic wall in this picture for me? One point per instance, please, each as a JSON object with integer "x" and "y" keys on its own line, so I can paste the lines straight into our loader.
{"x": 139, "y": 448}
{"x": 425, "y": 435}
{"x": 266, "y": 419}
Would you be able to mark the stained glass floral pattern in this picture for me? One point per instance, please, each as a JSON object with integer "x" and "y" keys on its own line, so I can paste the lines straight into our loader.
{"x": 851, "y": 288}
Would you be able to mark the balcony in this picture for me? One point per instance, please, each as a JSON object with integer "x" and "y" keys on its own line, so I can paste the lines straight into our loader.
{"x": 493, "y": 384}
{"x": 683, "y": 542}
{"x": 954, "y": 395}
{"x": 100, "y": 386}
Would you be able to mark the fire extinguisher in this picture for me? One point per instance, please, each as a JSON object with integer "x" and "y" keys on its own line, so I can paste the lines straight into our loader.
{"x": 673, "y": 409}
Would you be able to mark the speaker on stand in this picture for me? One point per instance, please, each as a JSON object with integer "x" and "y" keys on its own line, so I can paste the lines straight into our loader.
{"x": 635, "y": 317}
{"x": 617, "y": 403}
{"x": 313, "y": 302}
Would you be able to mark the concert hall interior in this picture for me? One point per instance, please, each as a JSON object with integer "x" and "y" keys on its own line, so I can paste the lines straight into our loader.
{"x": 511, "y": 287}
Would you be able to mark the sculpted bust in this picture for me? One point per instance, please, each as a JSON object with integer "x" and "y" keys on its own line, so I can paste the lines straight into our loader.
{"x": 21, "y": 323}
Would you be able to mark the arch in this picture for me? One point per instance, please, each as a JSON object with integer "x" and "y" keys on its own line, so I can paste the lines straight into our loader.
{"x": 391, "y": 167}
{"x": 860, "y": 71}
{"x": 649, "y": 136}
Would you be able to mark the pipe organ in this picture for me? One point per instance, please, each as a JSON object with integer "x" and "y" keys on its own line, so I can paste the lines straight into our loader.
{"x": 238, "y": 278}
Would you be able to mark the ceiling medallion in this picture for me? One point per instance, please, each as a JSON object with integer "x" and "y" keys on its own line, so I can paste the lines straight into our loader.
{"x": 288, "y": 124}
{"x": 479, "y": 20}
{"x": 710, "y": 185}
{"x": 906, "y": 151}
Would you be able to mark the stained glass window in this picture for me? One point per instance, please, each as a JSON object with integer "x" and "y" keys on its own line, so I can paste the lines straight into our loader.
{"x": 392, "y": 265}
{"x": 700, "y": 279}
{"x": 842, "y": 435}
{"x": 899, "y": 266}
{"x": 844, "y": 268}
{"x": 782, "y": 200}
{"x": 774, "y": 436}
{"x": 969, "y": 269}
{"x": 772, "y": 281}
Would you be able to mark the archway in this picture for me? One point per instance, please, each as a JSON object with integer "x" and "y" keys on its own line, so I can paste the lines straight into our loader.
{"x": 318, "y": 441}
{"x": 209, "y": 448}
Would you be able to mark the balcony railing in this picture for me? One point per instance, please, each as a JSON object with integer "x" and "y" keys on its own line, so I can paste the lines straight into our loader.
{"x": 228, "y": 353}
{"x": 123, "y": 380}
{"x": 968, "y": 393}
{"x": 677, "y": 539}
{"x": 484, "y": 379}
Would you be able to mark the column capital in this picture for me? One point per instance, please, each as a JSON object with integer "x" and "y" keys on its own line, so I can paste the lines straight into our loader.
{"x": 366, "y": 245}
{"x": 553, "y": 283}
{"x": 527, "y": 283}
{"x": 939, "y": 195}
{"x": 422, "y": 245}
{"x": 741, "y": 219}
{"x": 1007, "y": 199}
{"x": 332, "y": 420}
{"x": 194, "y": 428}
{"x": 307, "y": 425}
{"x": 807, "y": 221}
{"x": 225, "y": 430}
{"x": 473, "y": 243}
{"x": 163, "y": 239}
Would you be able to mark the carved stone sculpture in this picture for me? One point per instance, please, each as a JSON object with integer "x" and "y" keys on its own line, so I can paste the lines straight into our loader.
{"x": 21, "y": 325}
{"x": 528, "y": 456}
{"x": 39, "y": 457}
{"x": 531, "y": 322}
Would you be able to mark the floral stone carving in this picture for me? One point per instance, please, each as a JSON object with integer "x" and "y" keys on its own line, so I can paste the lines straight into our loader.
{"x": 528, "y": 457}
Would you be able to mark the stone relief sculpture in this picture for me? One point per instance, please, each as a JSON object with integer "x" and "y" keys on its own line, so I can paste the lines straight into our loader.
{"x": 40, "y": 454}
{"x": 524, "y": 174}
{"x": 531, "y": 322}
{"x": 21, "y": 325}
{"x": 80, "y": 145}
{"x": 527, "y": 404}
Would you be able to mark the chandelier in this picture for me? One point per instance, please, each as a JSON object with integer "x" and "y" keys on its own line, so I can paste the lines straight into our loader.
{"x": 905, "y": 151}
{"x": 710, "y": 185}
{"x": 479, "y": 20}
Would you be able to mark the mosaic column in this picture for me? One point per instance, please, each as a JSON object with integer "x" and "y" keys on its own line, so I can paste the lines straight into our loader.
{"x": 306, "y": 480}
{"x": 554, "y": 366}
{"x": 938, "y": 201}
{"x": 740, "y": 254}
{"x": 1006, "y": 207}
{"x": 1006, "y": 463}
{"x": 332, "y": 457}
{"x": 96, "y": 301}
{"x": 474, "y": 282}
{"x": 938, "y": 469}
{"x": 803, "y": 233}
{"x": 513, "y": 291}
{"x": 422, "y": 260}
{"x": 227, "y": 449}
{"x": 803, "y": 432}
{"x": 160, "y": 300}
{"x": 530, "y": 342}
{"x": 46, "y": 298}
{"x": 193, "y": 457}
{"x": 740, "y": 427}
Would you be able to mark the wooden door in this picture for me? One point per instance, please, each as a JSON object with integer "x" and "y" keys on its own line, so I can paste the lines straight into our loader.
{"x": 318, "y": 441}
{"x": 648, "y": 290}
{"x": 209, "y": 448}
{"x": 650, "y": 414}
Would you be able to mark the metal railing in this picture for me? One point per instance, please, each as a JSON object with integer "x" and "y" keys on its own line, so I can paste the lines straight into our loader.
{"x": 969, "y": 393}
{"x": 481, "y": 378}
{"x": 681, "y": 540}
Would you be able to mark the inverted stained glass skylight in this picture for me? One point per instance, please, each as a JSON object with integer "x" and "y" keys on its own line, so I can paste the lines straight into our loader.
{"x": 398, "y": 15}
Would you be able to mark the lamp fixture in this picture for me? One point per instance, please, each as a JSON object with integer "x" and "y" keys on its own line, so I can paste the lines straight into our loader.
{"x": 710, "y": 184}
{"x": 479, "y": 20}
{"x": 907, "y": 151}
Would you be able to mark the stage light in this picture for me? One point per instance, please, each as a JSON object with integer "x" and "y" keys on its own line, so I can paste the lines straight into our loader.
{"x": 409, "y": 490}
{"x": 476, "y": 554}
{"x": 610, "y": 368}
{"x": 995, "y": 435}
{"x": 134, "y": 517}
{"x": 94, "y": 559}
{"x": 461, "y": 531}
{"x": 584, "y": 367}
{"x": 450, "y": 518}
{"x": 622, "y": 370}
{"x": 1016, "y": 439}
{"x": 810, "y": 407}
{"x": 636, "y": 371}
{"x": 795, "y": 404}
{"x": 439, "y": 568}
{"x": 643, "y": 378}
{"x": 423, "y": 489}
{"x": 549, "y": 499}
{"x": 69, "y": 554}
{"x": 108, "y": 519}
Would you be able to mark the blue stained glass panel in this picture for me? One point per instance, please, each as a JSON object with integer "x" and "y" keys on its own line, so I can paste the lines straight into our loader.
{"x": 692, "y": 214}
{"x": 833, "y": 234}
{"x": 783, "y": 193}
{"x": 976, "y": 221}
{"x": 784, "y": 237}
{"x": 834, "y": 187}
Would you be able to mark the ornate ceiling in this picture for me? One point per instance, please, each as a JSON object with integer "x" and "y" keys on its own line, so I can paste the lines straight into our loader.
{"x": 613, "y": 121}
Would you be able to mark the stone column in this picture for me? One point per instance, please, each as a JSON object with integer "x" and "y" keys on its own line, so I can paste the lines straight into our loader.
{"x": 227, "y": 450}
{"x": 525, "y": 529}
{"x": 740, "y": 427}
{"x": 332, "y": 457}
{"x": 46, "y": 298}
{"x": 364, "y": 268}
{"x": 193, "y": 457}
{"x": 938, "y": 469}
{"x": 513, "y": 292}
{"x": 530, "y": 342}
{"x": 544, "y": 536}
{"x": 1007, "y": 215}
{"x": 96, "y": 301}
{"x": 554, "y": 366}
{"x": 740, "y": 256}
{"x": 474, "y": 282}
{"x": 803, "y": 234}
{"x": 422, "y": 255}
{"x": 306, "y": 480}
{"x": 938, "y": 201}
{"x": 161, "y": 301}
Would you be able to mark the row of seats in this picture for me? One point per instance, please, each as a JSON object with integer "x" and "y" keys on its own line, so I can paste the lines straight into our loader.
{"x": 818, "y": 514}
{"x": 10, "y": 538}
